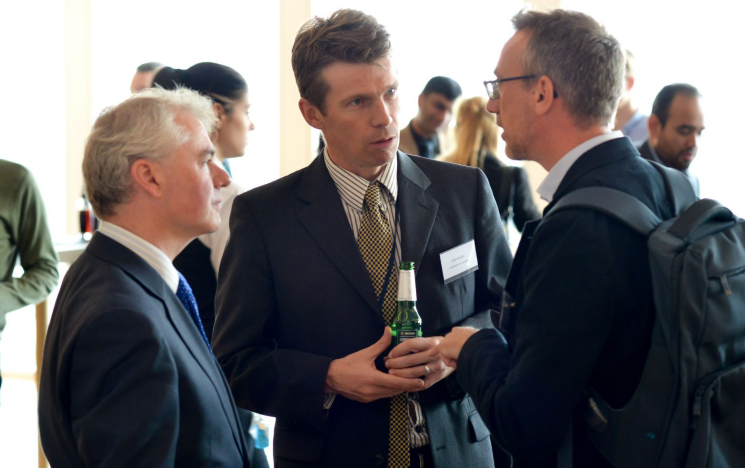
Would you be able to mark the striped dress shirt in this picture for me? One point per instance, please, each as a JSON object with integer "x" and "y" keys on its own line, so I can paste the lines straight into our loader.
{"x": 352, "y": 190}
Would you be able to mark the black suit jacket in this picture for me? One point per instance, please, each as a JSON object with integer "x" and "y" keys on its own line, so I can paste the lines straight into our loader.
{"x": 294, "y": 294}
{"x": 584, "y": 316}
{"x": 126, "y": 378}
{"x": 519, "y": 195}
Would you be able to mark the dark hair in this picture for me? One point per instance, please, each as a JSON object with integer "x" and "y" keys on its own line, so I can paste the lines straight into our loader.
{"x": 661, "y": 106}
{"x": 220, "y": 83}
{"x": 584, "y": 61}
{"x": 149, "y": 66}
{"x": 448, "y": 87}
{"x": 349, "y": 36}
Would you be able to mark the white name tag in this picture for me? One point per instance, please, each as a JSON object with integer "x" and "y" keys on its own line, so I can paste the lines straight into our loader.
{"x": 459, "y": 261}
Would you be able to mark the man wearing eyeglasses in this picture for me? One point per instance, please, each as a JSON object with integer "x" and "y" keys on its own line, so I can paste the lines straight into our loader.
{"x": 580, "y": 288}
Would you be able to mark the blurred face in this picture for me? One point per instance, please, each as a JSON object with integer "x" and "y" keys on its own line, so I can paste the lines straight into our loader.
{"x": 360, "y": 118}
{"x": 142, "y": 80}
{"x": 512, "y": 106}
{"x": 435, "y": 111}
{"x": 192, "y": 182}
{"x": 232, "y": 134}
{"x": 676, "y": 143}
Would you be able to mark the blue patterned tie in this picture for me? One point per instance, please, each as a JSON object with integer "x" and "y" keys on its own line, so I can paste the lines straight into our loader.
{"x": 184, "y": 294}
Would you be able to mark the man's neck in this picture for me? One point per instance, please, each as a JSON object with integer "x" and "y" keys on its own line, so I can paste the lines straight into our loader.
{"x": 367, "y": 173}
{"x": 151, "y": 231}
{"x": 560, "y": 146}
{"x": 417, "y": 127}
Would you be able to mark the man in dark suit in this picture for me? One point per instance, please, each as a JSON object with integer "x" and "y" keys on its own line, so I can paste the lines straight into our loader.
{"x": 128, "y": 378}
{"x": 300, "y": 329}
{"x": 675, "y": 127}
{"x": 583, "y": 311}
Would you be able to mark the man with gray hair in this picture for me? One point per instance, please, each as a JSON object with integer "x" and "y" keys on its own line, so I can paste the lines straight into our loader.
{"x": 578, "y": 309}
{"x": 128, "y": 378}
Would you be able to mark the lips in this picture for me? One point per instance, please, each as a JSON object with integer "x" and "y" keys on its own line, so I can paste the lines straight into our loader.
{"x": 384, "y": 143}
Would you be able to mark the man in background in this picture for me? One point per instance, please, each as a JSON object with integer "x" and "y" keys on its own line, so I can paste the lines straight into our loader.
{"x": 629, "y": 118}
{"x": 144, "y": 76}
{"x": 24, "y": 235}
{"x": 128, "y": 377}
{"x": 675, "y": 127}
{"x": 424, "y": 134}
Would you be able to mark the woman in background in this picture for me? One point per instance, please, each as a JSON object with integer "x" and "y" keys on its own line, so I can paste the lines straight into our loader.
{"x": 475, "y": 144}
{"x": 199, "y": 262}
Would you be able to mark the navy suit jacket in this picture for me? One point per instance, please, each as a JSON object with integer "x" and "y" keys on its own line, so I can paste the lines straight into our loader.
{"x": 584, "y": 313}
{"x": 126, "y": 377}
{"x": 293, "y": 294}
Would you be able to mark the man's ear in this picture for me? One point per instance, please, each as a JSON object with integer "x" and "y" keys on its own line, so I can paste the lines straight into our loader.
{"x": 655, "y": 127}
{"x": 630, "y": 81}
{"x": 544, "y": 95}
{"x": 312, "y": 114}
{"x": 420, "y": 102}
{"x": 147, "y": 176}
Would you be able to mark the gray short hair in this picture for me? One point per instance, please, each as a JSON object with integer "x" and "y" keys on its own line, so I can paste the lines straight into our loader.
{"x": 585, "y": 62}
{"x": 142, "y": 127}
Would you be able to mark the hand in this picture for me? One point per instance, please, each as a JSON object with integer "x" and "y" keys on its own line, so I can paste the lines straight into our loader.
{"x": 356, "y": 378}
{"x": 411, "y": 359}
{"x": 449, "y": 347}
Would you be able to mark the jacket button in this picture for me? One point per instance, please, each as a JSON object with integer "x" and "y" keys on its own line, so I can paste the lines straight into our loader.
{"x": 379, "y": 459}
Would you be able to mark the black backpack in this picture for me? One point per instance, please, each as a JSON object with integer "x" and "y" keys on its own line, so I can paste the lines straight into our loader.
{"x": 689, "y": 408}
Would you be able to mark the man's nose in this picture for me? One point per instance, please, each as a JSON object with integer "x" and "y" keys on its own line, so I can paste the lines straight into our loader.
{"x": 381, "y": 114}
{"x": 493, "y": 106}
{"x": 220, "y": 177}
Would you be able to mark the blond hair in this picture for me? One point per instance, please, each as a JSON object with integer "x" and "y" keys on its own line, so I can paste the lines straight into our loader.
{"x": 475, "y": 133}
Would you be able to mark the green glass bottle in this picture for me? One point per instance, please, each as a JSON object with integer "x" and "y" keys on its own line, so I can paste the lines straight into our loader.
{"x": 406, "y": 323}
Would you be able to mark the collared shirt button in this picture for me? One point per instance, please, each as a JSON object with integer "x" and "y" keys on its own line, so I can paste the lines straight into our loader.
{"x": 378, "y": 459}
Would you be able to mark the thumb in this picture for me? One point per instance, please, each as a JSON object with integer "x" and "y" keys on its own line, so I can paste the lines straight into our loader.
{"x": 382, "y": 344}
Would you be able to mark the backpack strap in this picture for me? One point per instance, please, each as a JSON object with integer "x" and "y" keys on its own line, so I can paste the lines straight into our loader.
{"x": 679, "y": 188}
{"x": 614, "y": 203}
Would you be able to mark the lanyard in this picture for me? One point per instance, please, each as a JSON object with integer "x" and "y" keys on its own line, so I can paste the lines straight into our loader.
{"x": 391, "y": 260}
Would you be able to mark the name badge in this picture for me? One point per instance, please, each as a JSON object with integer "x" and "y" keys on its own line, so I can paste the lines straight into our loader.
{"x": 459, "y": 261}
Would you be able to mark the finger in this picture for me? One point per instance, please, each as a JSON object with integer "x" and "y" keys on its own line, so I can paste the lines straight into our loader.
{"x": 422, "y": 370}
{"x": 414, "y": 345}
{"x": 410, "y": 360}
{"x": 398, "y": 383}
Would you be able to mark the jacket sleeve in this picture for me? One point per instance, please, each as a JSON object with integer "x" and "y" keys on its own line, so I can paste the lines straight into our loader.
{"x": 526, "y": 395}
{"x": 35, "y": 248}
{"x": 245, "y": 333}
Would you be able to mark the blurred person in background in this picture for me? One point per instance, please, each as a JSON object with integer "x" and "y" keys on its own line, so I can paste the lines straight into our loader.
{"x": 475, "y": 142}
{"x": 675, "y": 127}
{"x": 24, "y": 235}
{"x": 144, "y": 76}
{"x": 630, "y": 120}
{"x": 424, "y": 136}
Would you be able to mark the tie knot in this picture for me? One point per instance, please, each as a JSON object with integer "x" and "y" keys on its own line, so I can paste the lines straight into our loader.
{"x": 372, "y": 196}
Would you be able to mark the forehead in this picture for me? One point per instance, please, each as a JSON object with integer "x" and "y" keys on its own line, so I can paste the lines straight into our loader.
{"x": 344, "y": 78}
{"x": 199, "y": 140}
{"x": 437, "y": 98}
{"x": 512, "y": 52}
{"x": 685, "y": 108}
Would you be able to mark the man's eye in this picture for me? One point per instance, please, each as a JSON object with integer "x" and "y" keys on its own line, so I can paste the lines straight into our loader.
{"x": 356, "y": 102}
{"x": 391, "y": 91}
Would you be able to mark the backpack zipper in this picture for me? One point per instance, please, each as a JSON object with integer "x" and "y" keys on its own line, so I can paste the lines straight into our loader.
{"x": 725, "y": 285}
{"x": 703, "y": 386}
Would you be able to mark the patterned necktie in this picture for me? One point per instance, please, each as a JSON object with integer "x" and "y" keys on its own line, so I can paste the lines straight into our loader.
{"x": 186, "y": 296}
{"x": 375, "y": 241}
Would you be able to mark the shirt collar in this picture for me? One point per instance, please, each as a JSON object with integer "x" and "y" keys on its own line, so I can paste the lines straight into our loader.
{"x": 550, "y": 184}
{"x": 152, "y": 255}
{"x": 352, "y": 187}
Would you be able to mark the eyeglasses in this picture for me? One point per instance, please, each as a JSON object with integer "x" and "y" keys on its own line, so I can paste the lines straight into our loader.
{"x": 492, "y": 87}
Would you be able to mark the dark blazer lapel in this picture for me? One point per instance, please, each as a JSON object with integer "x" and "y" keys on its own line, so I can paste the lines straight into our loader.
{"x": 111, "y": 251}
{"x": 598, "y": 156}
{"x": 328, "y": 225}
{"x": 418, "y": 210}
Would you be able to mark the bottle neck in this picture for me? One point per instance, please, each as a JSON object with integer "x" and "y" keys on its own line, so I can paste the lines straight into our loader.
{"x": 406, "y": 286}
